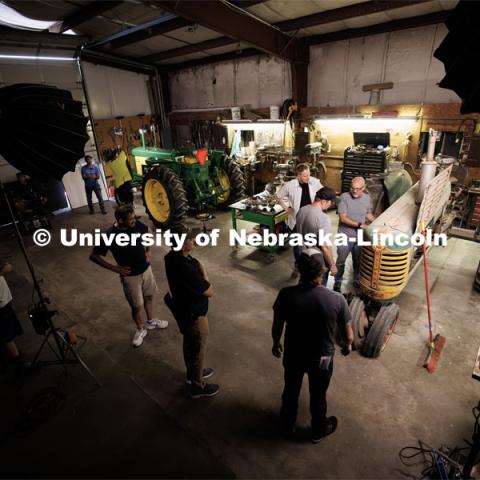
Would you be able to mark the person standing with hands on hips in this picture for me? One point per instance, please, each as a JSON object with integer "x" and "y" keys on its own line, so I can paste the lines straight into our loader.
{"x": 299, "y": 192}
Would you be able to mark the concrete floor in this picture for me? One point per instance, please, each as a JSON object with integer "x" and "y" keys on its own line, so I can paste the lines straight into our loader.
{"x": 141, "y": 423}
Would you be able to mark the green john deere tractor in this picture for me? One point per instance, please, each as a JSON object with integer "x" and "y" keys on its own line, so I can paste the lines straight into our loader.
{"x": 174, "y": 182}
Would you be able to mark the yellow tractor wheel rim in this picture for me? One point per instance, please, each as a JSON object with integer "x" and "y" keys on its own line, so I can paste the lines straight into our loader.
{"x": 225, "y": 184}
{"x": 156, "y": 199}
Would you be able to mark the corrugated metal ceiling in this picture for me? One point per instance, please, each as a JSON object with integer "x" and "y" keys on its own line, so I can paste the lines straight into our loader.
{"x": 135, "y": 12}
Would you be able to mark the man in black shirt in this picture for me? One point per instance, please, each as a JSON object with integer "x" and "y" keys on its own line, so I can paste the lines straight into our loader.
{"x": 133, "y": 266}
{"x": 311, "y": 313}
{"x": 190, "y": 290}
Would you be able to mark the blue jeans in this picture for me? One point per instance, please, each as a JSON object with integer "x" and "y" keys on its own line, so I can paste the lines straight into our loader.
{"x": 342, "y": 255}
{"x": 98, "y": 193}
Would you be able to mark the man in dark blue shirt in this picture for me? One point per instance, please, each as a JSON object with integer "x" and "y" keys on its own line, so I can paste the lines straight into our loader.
{"x": 311, "y": 313}
{"x": 90, "y": 175}
{"x": 133, "y": 266}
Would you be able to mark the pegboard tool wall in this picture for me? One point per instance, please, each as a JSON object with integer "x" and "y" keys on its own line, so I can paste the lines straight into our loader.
{"x": 108, "y": 136}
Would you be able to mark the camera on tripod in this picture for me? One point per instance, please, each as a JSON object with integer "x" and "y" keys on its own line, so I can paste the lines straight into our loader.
{"x": 41, "y": 316}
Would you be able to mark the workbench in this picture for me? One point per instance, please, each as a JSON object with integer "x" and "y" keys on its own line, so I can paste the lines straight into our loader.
{"x": 259, "y": 215}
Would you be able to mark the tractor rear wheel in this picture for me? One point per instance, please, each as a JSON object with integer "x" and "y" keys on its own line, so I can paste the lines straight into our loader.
{"x": 164, "y": 198}
{"x": 381, "y": 330}
{"x": 232, "y": 181}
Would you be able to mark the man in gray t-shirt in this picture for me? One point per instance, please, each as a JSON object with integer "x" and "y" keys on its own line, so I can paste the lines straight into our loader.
{"x": 354, "y": 209}
{"x": 313, "y": 219}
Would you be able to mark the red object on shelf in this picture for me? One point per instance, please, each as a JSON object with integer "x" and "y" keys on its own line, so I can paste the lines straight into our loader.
{"x": 202, "y": 154}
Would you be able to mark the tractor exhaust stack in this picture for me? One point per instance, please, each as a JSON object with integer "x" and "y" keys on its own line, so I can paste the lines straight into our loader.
{"x": 428, "y": 166}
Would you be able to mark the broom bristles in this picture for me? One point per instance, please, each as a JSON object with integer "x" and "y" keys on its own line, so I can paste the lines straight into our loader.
{"x": 431, "y": 363}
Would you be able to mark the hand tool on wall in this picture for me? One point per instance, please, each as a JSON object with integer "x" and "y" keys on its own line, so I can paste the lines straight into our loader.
{"x": 119, "y": 132}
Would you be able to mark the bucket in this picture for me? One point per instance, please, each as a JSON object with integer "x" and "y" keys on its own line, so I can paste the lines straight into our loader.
{"x": 202, "y": 155}
{"x": 274, "y": 112}
{"x": 236, "y": 113}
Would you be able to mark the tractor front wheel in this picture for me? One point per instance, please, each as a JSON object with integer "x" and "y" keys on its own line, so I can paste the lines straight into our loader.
{"x": 164, "y": 198}
{"x": 232, "y": 181}
{"x": 381, "y": 330}
{"x": 359, "y": 321}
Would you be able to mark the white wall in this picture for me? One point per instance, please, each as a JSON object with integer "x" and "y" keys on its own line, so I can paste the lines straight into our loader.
{"x": 113, "y": 92}
{"x": 258, "y": 82}
{"x": 338, "y": 70}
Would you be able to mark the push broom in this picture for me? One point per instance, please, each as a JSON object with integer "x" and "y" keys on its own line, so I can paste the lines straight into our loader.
{"x": 434, "y": 345}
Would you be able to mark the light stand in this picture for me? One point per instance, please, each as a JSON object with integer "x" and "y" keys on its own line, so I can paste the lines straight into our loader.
{"x": 62, "y": 348}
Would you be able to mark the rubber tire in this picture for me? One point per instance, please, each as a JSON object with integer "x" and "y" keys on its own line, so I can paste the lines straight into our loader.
{"x": 356, "y": 306}
{"x": 386, "y": 318}
{"x": 176, "y": 196}
{"x": 236, "y": 177}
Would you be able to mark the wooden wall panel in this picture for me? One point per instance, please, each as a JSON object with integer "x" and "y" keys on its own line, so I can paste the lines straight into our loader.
{"x": 439, "y": 116}
{"x": 105, "y": 133}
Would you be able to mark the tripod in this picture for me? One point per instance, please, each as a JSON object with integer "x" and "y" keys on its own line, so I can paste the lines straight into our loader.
{"x": 63, "y": 347}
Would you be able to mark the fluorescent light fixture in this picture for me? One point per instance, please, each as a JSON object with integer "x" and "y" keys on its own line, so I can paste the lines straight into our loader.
{"x": 245, "y": 125}
{"x": 236, "y": 122}
{"x": 250, "y": 123}
{"x": 366, "y": 124}
{"x": 39, "y": 57}
{"x": 364, "y": 118}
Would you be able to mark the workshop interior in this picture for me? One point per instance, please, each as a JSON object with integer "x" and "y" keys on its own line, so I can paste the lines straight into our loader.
{"x": 204, "y": 117}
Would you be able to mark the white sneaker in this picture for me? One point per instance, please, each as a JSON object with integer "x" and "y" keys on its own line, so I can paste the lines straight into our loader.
{"x": 138, "y": 337}
{"x": 154, "y": 323}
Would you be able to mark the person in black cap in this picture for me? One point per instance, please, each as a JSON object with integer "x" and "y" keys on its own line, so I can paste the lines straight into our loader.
{"x": 190, "y": 290}
{"x": 313, "y": 219}
{"x": 134, "y": 267}
{"x": 312, "y": 314}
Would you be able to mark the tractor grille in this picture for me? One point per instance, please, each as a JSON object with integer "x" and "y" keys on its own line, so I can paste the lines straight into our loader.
{"x": 383, "y": 272}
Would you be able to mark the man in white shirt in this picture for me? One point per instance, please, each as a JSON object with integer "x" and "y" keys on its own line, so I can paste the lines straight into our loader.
{"x": 299, "y": 192}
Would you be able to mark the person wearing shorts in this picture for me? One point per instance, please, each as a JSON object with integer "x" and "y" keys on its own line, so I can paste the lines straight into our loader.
{"x": 9, "y": 324}
{"x": 133, "y": 266}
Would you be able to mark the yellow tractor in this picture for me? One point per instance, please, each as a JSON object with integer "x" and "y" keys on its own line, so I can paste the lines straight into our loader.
{"x": 385, "y": 270}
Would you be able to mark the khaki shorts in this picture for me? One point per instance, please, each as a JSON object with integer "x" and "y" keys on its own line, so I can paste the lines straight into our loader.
{"x": 137, "y": 287}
